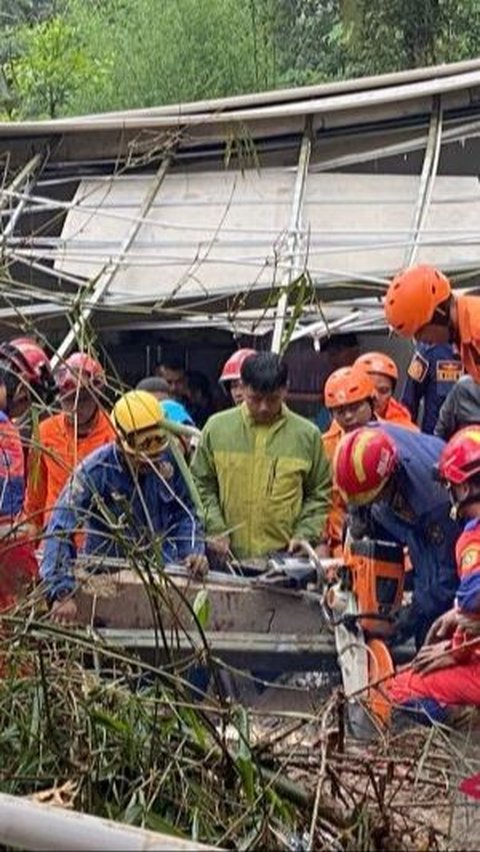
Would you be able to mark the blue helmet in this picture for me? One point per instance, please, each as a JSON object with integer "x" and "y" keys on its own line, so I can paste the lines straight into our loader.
{"x": 176, "y": 412}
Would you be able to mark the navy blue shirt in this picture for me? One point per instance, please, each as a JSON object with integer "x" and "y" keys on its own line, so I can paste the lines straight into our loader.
{"x": 418, "y": 516}
{"x": 433, "y": 371}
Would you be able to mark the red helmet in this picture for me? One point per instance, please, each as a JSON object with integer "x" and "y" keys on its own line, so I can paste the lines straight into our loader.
{"x": 364, "y": 462}
{"x": 28, "y": 360}
{"x": 233, "y": 365}
{"x": 377, "y": 362}
{"x": 348, "y": 385}
{"x": 79, "y": 369}
{"x": 460, "y": 459}
{"x": 413, "y": 297}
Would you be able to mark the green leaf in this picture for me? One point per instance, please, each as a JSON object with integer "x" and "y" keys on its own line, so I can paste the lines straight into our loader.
{"x": 202, "y": 608}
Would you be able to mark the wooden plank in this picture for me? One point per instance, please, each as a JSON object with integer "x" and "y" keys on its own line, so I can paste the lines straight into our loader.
{"x": 126, "y": 601}
{"x": 256, "y": 651}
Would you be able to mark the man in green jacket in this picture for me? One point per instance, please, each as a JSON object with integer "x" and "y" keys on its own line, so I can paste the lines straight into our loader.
{"x": 261, "y": 471}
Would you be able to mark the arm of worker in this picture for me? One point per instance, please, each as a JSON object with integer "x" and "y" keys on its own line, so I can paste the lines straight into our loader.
{"x": 205, "y": 478}
{"x": 59, "y": 545}
{"x": 446, "y": 423}
{"x": 317, "y": 497}
{"x": 185, "y": 541}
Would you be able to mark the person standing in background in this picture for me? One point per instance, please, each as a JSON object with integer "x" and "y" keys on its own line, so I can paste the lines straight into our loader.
{"x": 65, "y": 439}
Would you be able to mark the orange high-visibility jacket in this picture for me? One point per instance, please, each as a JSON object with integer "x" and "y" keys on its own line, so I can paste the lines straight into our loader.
{"x": 59, "y": 452}
{"x": 336, "y": 515}
{"x": 399, "y": 414}
{"x": 468, "y": 308}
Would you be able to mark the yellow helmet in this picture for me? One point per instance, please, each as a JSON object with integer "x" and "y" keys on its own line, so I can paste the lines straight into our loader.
{"x": 137, "y": 418}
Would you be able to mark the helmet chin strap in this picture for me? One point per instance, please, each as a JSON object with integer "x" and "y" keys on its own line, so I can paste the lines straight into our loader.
{"x": 458, "y": 505}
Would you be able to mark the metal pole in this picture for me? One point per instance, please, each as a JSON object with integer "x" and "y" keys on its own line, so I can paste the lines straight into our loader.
{"x": 106, "y": 278}
{"x": 28, "y": 825}
{"x": 25, "y": 176}
{"x": 293, "y": 242}
{"x": 427, "y": 179}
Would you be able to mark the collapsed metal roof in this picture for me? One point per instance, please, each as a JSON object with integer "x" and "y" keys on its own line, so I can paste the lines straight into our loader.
{"x": 214, "y": 212}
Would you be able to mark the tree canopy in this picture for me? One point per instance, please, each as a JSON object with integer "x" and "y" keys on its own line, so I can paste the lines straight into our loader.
{"x": 64, "y": 57}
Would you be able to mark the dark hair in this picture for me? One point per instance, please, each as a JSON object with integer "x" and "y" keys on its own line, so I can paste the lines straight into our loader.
{"x": 441, "y": 314}
{"x": 337, "y": 342}
{"x": 172, "y": 362}
{"x": 264, "y": 372}
{"x": 153, "y": 384}
{"x": 198, "y": 381}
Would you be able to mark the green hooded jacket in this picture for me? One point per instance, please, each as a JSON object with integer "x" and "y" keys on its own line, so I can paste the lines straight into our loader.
{"x": 262, "y": 485}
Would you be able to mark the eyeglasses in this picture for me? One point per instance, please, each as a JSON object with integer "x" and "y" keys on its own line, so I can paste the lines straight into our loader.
{"x": 148, "y": 445}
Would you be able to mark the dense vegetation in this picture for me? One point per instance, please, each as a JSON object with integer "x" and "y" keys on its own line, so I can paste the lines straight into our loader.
{"x": 63, "y": 57}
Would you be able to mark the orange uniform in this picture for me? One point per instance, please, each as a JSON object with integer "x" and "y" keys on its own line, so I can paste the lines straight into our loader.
{"x": 336, "y": 515}
{"x": 399, "y": 414}
{"x": 59, "y": 452}
{"x": 468, "y": 308}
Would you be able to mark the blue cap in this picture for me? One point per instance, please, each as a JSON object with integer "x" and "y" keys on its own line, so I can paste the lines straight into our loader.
{"x": 176, "y": 412}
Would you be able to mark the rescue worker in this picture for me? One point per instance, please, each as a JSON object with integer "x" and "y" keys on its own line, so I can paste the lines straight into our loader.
{"x": 126, "y": 496}
{"x": 349, "y": 395}
{"x": 230, "y": 375}
{"x": 65, "y": 439}
{"x": 461, "y": 408}
{"x": 24, "y": 375}
{"x": 384, "y": 374}
{"x": 446, "y": 671}
{"x": 432, "y": 373}
{"x": 420, "y": 301}
{"x": 155, "y": 385}
{"x": 390, "y": 469}
{"x": 260, "y": 469}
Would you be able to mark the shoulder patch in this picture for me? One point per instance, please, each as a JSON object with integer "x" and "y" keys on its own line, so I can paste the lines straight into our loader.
{"x": 418, "y": 368}
{"x": 448, "y": 371}
{"x": 470, "y": 557}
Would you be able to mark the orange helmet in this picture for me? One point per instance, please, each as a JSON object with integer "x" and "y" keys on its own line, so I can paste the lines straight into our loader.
{"x": 377, "y": 362}
{"x": 232, "y": 368}
{"x": 413, "y": 297}
{"x": 364, "y": 462}
{"x": 348, "y": 385}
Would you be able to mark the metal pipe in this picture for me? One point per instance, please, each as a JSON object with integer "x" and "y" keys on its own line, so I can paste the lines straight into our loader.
{"x": 105, "y": 280}
{"x": 427, "y": 179}
{"x": 27, "y": 824}
{"x": 293, "y": 242}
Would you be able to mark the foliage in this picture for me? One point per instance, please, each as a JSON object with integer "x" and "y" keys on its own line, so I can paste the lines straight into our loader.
{"x": 77, "y": 56}
{"x": 49, "y": 67}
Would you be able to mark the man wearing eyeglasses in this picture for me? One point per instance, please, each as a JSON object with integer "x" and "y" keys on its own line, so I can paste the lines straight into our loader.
{"x": 130, "y": 501}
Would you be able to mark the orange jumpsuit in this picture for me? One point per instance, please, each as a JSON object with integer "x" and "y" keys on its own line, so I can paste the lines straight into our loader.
{"x": 59, "y": 452}
{"x": 468, "y": 308}
{"x": 399, "y": 414}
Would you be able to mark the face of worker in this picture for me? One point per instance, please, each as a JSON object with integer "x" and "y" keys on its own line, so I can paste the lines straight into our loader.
{"x": 383, "y": 392}
{"x": 353, "y": 415}
{"x": 236, "y": 391}
{"x": 20, "y": 403}
{"x": 176, "y": 381}
{"x": 81, "y": 405}
{"x": 264, "y": 408}
{"x": 145, "y": 449}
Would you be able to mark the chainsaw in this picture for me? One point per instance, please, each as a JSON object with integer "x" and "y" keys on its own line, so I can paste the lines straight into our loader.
{"x": 360, "y": 596}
